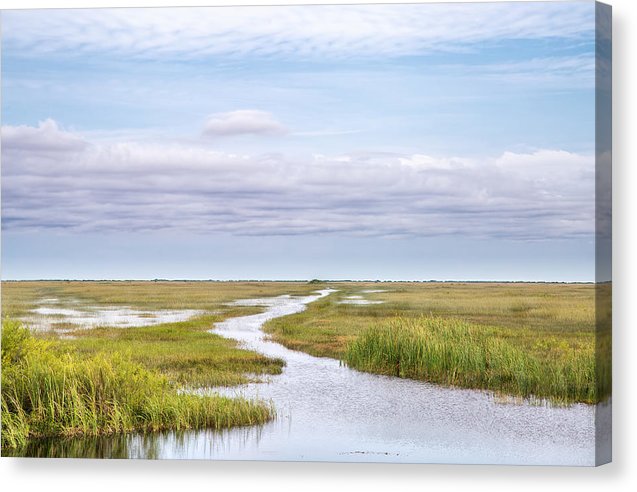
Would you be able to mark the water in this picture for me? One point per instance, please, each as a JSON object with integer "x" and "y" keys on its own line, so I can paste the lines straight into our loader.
{"x": 49, "y": 316}
{"x": 328, "y": 412}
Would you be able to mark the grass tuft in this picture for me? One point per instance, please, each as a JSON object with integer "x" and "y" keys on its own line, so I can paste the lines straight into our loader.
{"x": 454, "y": 352}
{"x": 185, "y": 352}
{"x": 46, "y": 393}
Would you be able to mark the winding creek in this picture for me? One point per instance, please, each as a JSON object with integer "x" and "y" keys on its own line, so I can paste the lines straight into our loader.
{"x": 328, "y": 412}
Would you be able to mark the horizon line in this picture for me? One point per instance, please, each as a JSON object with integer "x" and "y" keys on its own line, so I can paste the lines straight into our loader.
{"x": 317, "y": 280}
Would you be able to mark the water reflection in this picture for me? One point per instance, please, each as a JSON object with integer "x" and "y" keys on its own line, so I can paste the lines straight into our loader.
{"x": 144, "y": 446}
{"x": 97, "y": 447}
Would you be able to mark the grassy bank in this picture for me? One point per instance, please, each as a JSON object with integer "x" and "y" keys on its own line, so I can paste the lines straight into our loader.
{"x": 548, "y": 330}
{"x": 185, "y": 352}
{"x": 48, "y": 392}
{"x": 111, "y": 380}
{"x": 563, "y": 313}
{"x": 454, "y": 352}
{"x": 519, "y": 339}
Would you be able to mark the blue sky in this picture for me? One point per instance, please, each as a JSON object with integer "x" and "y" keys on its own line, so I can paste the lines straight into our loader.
{"x": 449, "y": 141}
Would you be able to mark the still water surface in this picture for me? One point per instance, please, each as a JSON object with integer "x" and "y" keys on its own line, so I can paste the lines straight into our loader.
{"x": 328, "y": 412}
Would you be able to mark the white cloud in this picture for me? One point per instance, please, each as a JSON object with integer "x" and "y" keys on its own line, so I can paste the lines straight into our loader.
{"x": 304, "y": 31}
{"x": 53, "y": 179}
{"x": 47, "y": 137}
{"x": 242, "y": 122}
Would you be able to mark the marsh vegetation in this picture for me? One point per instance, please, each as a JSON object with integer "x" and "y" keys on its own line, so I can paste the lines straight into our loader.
{"x": 457, "y": 353}
{"x": 49, "y": 391}
{"x": 105, "y": 379}
{"x": 528, "y": 340}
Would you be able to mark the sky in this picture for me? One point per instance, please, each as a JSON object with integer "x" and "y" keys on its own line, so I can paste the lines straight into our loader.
{"x": 393, "y": 142}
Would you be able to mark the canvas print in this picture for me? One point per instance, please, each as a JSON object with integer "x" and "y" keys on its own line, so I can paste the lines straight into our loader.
{"x": 351, "y": 233}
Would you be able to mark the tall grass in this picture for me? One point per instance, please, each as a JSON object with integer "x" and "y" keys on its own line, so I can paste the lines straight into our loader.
{"x": 454, "y": 352}
{"x": 46, "y": 394}
{"x": 529, "y": 313}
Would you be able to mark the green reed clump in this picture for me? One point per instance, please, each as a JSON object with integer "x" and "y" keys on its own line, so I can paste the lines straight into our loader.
{"x": 454, "y": 352}
{"x": 46, "y": 393}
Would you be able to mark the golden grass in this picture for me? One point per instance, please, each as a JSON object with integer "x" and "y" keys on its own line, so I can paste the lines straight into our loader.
{"x": 19, "y": 297}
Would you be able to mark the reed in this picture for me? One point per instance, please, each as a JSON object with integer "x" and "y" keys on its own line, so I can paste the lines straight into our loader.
{"x": 46, "y": 393}
{"x": 529, "y": 313}
{"x": 454, "y": 352}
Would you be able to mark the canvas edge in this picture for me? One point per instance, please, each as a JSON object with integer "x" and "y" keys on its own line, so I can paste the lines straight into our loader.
{"x": 603, "y": 231}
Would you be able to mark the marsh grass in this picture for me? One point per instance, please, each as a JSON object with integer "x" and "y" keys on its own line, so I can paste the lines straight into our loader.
{"x": 548, "y": 330}
{"x": 185, "y": 352}
{"x": 20, "y": 297}
{"x": 528, "y": 314}
{"x": 109, "y": 380}
{"x": 454, "y": 352}
{"x": 48, "y": 393}
{"x": 517, "y": 339}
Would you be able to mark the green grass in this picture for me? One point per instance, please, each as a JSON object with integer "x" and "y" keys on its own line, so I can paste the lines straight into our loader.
{"x": 172, "y": 356}
{"x": 48, "y": 393}
{"x": 185, "y": 352}
{"x": 454, "y": 352}
{"x": 557, "y": 327}
{"x": 547, "y": 340}
{"x": 112, "y": 380}
{"x": 563, "y": 312}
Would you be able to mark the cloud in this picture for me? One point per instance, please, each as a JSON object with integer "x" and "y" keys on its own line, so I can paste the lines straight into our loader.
{"x": 242, "y": 122}
{"x": 46, "y": 137}
{"x": 51, "y": 181}
{"x": 325, "y": 133}
{"x": 333, "y": 31}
